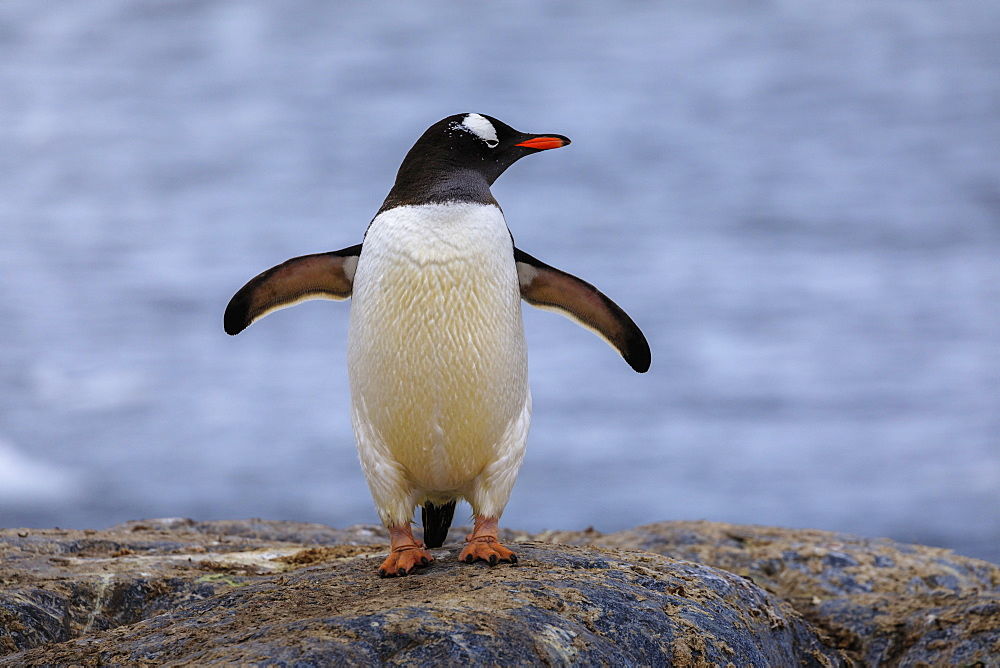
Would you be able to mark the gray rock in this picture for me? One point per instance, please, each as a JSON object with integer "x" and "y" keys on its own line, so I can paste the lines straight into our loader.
{"x": 882, "y": 602}
{"x": 284, "y": 593}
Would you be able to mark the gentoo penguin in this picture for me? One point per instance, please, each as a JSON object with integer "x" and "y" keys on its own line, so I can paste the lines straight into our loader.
{"x": 437, "y": 359}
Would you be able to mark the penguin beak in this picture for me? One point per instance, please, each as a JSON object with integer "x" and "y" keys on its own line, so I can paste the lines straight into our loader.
{"x": 545, "y": 142}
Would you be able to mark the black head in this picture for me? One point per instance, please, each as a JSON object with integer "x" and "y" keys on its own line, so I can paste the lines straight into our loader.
{"x": 459, "y": 158}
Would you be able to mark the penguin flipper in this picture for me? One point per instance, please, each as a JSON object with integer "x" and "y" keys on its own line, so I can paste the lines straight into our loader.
{"x": 318, "y": 276}
{"x": 549, "y": 288}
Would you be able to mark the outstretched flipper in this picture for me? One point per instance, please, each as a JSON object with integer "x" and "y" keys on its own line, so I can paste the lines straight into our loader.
{"x": 319, "y": 276}
{"x": 546, "y": 287}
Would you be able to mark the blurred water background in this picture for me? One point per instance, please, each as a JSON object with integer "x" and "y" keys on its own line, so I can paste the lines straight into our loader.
{"x": 799, "y": 202}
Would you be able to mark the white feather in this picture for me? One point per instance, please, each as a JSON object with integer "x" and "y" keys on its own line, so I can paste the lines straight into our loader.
{"x": 480, "y": 126}
{"x": 437, "y": 359}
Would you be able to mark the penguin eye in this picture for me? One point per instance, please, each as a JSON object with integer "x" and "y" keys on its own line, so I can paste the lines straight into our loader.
{"x": 492, "y": 143}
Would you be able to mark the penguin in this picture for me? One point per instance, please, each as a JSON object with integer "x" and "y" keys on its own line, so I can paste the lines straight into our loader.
{"x": 437, "y": 358}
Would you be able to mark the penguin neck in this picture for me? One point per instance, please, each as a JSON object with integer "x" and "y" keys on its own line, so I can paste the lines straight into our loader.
{"x": 421, "y": 183}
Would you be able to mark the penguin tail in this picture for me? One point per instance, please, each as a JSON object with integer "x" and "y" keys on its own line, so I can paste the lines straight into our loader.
{"x": 437, "y": 520}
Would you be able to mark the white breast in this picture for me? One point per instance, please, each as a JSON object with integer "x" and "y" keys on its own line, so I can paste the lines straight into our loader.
{"x": 436, "y": 352}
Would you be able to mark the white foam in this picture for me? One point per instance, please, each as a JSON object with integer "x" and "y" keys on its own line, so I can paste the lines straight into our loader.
{"x": 27, "y": 480}
{"x": 84, "y": 387}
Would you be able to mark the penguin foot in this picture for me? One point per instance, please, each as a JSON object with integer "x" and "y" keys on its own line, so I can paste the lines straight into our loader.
{"x": 482, "y": 544}
{"x": 405, "y": 554}
{"x": 404, "y": 560}
{"x": 486, "y": 548}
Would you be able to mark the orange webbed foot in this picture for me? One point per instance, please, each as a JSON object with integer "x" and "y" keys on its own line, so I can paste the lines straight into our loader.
{"x": 487, "y": 548}
{"x": 405, "y": 553}
{"x": 403, "y": 561}
{"x": 482, "y": 544}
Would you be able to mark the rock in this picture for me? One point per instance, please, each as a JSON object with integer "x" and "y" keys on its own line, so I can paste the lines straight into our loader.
{"x": 882, "y": 602}
{"x": 57, "y": 585}
{"x": 280, "y": 593}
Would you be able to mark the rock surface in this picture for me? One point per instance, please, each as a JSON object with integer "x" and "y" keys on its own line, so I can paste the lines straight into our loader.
{"x": 882, "y": 602}
{"x": 677, "y": 593}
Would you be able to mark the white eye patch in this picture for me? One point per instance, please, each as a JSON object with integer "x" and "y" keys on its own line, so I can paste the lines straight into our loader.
{"x": 481, "y": 127}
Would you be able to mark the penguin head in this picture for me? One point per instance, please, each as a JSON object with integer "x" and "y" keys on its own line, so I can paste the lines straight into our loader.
{"x": 464, "y": 152}
{"x": 487, "y": 144}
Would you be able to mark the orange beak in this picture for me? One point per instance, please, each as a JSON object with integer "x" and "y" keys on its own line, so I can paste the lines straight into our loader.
{"x": 544, "y": 143}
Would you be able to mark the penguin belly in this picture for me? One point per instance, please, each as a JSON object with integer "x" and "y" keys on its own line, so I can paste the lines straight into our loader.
{"x": 437, "y": 359}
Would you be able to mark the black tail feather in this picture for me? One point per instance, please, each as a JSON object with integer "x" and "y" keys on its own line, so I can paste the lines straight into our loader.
{"x": 437, "y": 520}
